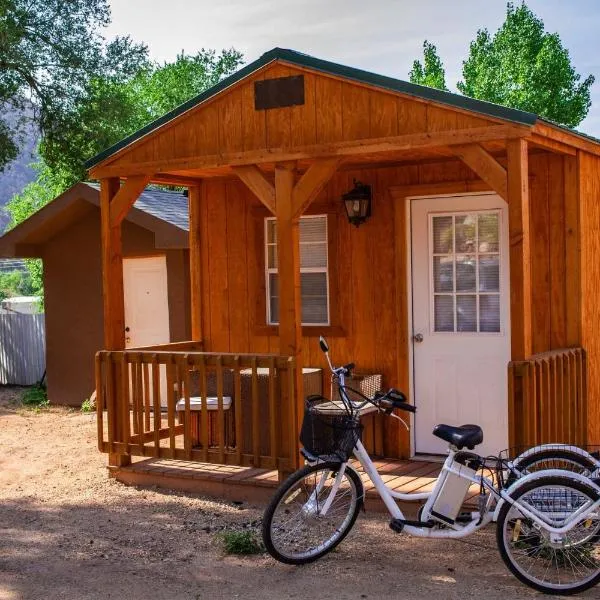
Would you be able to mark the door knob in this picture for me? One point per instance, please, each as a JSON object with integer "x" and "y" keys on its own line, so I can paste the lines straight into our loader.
{"x": 418, "y": 338}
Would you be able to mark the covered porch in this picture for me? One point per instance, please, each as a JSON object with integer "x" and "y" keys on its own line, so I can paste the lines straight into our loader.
{"x": 282, "y": 140}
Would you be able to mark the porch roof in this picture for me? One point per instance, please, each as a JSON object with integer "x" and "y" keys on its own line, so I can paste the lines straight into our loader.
{"x": 291, "y": 57}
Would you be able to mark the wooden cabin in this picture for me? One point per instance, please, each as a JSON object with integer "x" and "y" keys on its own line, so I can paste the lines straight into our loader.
{"x": 470, "y": 284}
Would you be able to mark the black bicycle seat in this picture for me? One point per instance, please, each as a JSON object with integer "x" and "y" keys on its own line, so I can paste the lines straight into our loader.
{"x": 464, "y": 435}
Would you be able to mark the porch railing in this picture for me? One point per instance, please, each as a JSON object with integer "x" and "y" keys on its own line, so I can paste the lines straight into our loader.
{"x": 176, "y": 402}
{"x": 547, "y": 398}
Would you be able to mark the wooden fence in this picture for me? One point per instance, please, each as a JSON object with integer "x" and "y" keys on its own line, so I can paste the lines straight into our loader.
{"x": 22, "y": 348}
{"x": 547, "y": 398}
{"x": 174, "y": 402}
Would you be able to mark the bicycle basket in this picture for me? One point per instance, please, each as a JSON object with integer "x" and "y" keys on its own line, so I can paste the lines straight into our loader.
{"x": 328, "y": 430}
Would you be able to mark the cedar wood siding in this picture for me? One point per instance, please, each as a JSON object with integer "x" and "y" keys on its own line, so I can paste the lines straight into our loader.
{"x": 73, "y": 302}
{"x": 366, "y": 283}
{"x": 589, "y": 181}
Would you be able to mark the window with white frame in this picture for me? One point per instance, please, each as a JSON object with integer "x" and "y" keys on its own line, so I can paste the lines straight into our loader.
{"x": 314, "y": 275}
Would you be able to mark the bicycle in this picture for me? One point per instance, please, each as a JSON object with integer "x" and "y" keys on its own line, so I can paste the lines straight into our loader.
{"x": 548, "y": 522}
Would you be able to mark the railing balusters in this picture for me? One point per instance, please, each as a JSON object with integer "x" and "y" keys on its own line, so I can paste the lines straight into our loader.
{"x": 551, "y": 406}
{"x": 130, "y": 386}
{"x": 157, "y": 409}
{"x": 171, "y": 400}
{"x": 100, "y": 391}
{"x": 239, "y": 435}
{"x": 146, "y": 396}
{"x": 220, "y": 411}
{"x": 255, "y": 415}
{"x": 273, "y": 420}
{"x": 204, "y": 424}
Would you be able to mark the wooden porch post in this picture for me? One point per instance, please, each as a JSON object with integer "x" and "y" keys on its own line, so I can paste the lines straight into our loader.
{"x": 290, "y": 312}
{"x": 112, "y": 292}
{"x": 194, "y": 200}
{"x": 115, "y": 202}
{"x": 520, "y": 249}
{"x": 112, "y": 269}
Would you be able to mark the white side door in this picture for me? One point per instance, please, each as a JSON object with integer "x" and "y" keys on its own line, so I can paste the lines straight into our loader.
{"x": 461, "y": 309}
{"x": 146, "y": 294}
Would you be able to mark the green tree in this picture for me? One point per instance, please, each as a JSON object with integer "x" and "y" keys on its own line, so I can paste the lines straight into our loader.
{"x": 49, "y": 50}
{"x": 118, "y": 104}
{"x": 15, "y": 283}
{"x": 523, "y": 66}
{"x": 431, "y": 71}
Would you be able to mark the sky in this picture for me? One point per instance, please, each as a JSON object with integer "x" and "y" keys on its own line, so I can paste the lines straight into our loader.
{"x": 383, "y": 36}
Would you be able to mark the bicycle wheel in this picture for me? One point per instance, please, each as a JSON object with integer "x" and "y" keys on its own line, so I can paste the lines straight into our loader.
{"x": 294, "y": 529}
{"x": 563, "y": 564}
{"x": 553, "y": 458}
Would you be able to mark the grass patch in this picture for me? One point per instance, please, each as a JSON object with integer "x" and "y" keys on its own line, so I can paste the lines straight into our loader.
{"x": 241, "y": 542}
{"x": 35, "y": 397}
{"x": 87, "y": 406}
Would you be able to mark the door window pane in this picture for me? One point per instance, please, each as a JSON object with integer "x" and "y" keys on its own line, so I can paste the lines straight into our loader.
{"x": 443, "y": 235}
{"x": 466, "y": 233}
{"x": 444, "y": 313}
{"x": 443, "y": 274}
{"x": 489, "y": 273}
{"x": 489, "y": 313}
{"x": 488, "y": 233}
{"x": 465, "y": 271}
{"x": 466, "y": 275}
{"x": 466, "y": 313}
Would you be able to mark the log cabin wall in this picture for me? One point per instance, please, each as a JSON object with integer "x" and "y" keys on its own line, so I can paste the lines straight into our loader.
{"x": 589, "y": 182}
{"x": 368, "y": 286}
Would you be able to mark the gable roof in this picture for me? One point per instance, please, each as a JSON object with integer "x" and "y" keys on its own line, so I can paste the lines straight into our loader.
{"x": 163, "y": 213}
{"x": 316, "y": 64}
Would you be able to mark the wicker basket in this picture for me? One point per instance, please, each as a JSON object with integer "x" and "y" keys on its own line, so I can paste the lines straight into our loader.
{"x": 363, "y": 383}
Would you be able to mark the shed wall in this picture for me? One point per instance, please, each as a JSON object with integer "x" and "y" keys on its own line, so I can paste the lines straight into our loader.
{"x": 73, "y": 302}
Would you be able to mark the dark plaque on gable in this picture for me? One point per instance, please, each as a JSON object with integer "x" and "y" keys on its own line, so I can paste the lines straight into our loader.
{"x": 278, "y": 93}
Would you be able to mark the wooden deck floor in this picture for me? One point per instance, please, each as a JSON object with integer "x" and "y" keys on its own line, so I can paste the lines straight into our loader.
{"x": 248, "y": 484}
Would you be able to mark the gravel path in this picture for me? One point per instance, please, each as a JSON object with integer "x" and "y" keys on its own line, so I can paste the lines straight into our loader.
{"x": 68, "y": 532}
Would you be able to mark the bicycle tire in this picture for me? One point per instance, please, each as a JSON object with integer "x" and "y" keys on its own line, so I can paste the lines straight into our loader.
{"x": 281, "y": 495}
{"x": 563, "y": 482}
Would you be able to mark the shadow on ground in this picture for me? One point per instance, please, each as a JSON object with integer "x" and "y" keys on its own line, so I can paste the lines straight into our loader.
{"x": 138, "y": 548}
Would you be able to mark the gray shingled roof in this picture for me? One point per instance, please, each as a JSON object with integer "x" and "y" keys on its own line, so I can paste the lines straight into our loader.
{"x": 171, "y": 207}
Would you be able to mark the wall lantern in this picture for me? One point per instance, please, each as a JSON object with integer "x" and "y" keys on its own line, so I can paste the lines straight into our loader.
{"x": 358, "y": 203}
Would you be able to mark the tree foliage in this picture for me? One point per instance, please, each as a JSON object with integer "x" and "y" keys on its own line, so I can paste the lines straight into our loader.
{"x": 431, "y": 71}
{"x": 119, "y": 104}
{"x": 524, "y": 67}
{"x": 49, "y": 51}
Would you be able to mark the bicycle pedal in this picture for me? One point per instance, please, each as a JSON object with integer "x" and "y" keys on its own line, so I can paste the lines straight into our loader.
{"x": 397, "y": 525}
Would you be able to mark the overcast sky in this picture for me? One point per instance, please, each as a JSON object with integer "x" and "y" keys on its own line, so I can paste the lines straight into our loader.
{"x": 383, "y": 36}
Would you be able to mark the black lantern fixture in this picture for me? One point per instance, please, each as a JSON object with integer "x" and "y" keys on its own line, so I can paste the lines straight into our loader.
{"x": 358, "y": 203}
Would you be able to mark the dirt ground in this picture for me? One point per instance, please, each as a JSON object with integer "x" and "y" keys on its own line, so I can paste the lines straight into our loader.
{"x": 68, "y": 532}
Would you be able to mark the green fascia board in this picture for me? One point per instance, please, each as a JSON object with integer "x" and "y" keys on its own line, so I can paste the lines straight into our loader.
{"x": 304, "y": 60}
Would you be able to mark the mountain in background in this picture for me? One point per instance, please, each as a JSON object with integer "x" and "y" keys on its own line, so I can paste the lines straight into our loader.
{"x": 18, "y": 173}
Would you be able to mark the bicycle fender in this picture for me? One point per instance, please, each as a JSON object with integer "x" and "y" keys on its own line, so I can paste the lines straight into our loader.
{"x": 538, "y": 475}
{"x": 543, "y": 447}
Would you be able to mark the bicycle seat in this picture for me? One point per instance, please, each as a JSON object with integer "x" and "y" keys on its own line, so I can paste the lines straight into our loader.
{"x": 464, "y": 435}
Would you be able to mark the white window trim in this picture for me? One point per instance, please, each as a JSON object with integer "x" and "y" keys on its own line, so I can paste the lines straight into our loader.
{"x": 270, "y": 271}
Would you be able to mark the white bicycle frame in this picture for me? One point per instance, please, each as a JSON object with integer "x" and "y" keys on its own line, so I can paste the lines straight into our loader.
{"x": 454, "y": 530}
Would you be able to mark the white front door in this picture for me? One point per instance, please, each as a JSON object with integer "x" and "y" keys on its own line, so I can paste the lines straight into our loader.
{"x": 146, "y": 294}
{"x": 146, "y": 301}
{"x": 461, "y": 328}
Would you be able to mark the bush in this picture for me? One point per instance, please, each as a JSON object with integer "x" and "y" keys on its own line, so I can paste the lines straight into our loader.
{"x": 241, "y": 542}
{"x": 87, "y": 406}
{"x": 35, "y": 397}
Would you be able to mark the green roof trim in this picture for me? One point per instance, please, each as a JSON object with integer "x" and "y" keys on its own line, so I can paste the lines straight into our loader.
{"x": 304, "y": 60}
